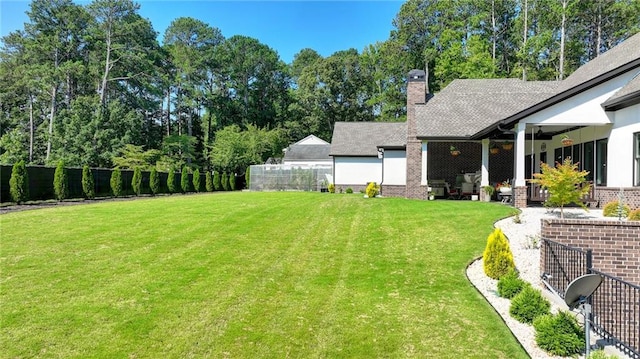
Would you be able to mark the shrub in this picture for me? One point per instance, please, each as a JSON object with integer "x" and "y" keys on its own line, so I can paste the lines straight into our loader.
{"x": 171, "y": 181}
{"x": 498, "y": 259}
{"x": 196, "y": 180}
{"x": 154, "y": 181}
{"x": 600, "y": 354}
{"x": 528, "y": 305}
{"x": 208, "y": 181}
{"x": 88, "y": 184}
{"x": 224, "y": 181}
{"x": 184, "y": 180}
{"x": 634, "y": 215}
{"x": 510, "y": 285}
{"x": 232, "y": 181}
{"x": 19, "y": 183}
{"x": 332, "y": 188}
{"x": 60, "y": 182}
{"x": 217, "y": 182}
{"x": 566, "y": 184}
{"x": 247, "y": 177}
{"x": 559, "y": 334}
{"x": 349, "y": 190}
{"x": 136, "y": 181}
{"x": 611, "y": 209}
{"x": 116, "y": 182}
{"x": 372, "y": 189}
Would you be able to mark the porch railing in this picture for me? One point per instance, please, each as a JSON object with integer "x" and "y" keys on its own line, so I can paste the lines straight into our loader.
{"x": 539, "y": 194}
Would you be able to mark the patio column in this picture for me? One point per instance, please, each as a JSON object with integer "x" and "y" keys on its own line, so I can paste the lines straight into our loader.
{"x": 519, "y": 153}
{"x": 424, "y": 164}
{"x": 484, "y": 181}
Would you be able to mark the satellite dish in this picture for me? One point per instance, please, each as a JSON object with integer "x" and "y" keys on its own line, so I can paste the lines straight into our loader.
{"x": 580, "y": 289}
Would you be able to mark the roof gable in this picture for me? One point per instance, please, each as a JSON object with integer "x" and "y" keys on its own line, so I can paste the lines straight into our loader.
{"x": 628, "y": 95}
{"x": 364, "y": 138}
{"x": 311, "y": 140}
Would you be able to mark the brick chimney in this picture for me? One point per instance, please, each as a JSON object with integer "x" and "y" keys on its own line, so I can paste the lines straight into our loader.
{"x": 416, "y": 94}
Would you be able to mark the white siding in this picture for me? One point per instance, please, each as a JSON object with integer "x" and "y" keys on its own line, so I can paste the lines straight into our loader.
{"x": 357, "y": 170}
{"x": 395, "y": 167}
{"x": 620, "y": 147}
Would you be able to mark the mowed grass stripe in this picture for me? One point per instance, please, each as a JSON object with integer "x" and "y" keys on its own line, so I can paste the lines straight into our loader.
{"x": 248, "y": 275}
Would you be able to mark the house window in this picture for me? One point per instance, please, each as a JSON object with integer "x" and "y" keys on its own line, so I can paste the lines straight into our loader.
{"x": 601, "y": 162}
{"x": 588, "y": 159}
{"x": 636, "y": 159}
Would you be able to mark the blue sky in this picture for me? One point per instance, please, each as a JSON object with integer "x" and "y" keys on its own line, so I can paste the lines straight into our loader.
{"x": 285, "y": 26}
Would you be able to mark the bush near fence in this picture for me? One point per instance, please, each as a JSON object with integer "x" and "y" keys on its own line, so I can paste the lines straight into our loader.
{"x": 41, "y": 182}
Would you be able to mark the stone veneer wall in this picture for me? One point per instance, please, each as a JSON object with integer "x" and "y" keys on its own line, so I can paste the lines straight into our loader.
{"x": 615, "y": 244}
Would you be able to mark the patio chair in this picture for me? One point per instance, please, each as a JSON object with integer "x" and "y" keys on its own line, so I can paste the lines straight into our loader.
{"x": 452, "y": 193}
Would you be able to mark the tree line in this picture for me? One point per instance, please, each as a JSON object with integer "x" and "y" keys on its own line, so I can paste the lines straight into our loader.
{"x": 92, "y": 85}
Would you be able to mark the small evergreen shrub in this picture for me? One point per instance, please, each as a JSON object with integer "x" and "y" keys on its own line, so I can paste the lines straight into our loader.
{"x": 208, "y": 181}
{"x": 184, "y": 180}
{"x": 559, "y": 334}
{"x": 634, "y": 215}
{"x": 88, "y": 184}
{"x": 171, "y": 181}
{"x": 116, "y": 182}
{"x": 136, "y": 181}
{"x": 600, "y": 354}
{"x": 372, "y": 189}
{"x": 217, "y": 181}
{"x": 349, "y": 190}
{"x": 510, "y": 284}
{"x": 611, "y": 209}
{"x": 154, "y": 181}
{"x": 224, "y": 181}
{"x": 232, "y": 181}
{"x": 331, "y": 188}
{"x": 196, "y": 180}
{"x": 247, "y": 177}
{"x": 497, "y": 255}
{"x": 19, "y": 183}
{"x": 528, "y": 305}
{"x": 60, "y": 182}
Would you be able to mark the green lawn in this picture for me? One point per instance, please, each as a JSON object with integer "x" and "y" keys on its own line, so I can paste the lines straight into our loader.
{"x": 249, "y": 275}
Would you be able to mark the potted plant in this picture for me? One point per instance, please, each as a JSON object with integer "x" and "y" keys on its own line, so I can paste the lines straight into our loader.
{"x": 430, "y": 194}
{"x": 507, "y": 146}
{"x": 489, "y": 191}
{"x": 454, "y": 151}
{"x": 504, "y": 187}
{"x": 494, "y": 149}
{"x": 566, "y": 140}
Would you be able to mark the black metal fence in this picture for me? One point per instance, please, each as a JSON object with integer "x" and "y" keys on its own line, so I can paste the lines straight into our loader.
{"x": 615, "y": 305}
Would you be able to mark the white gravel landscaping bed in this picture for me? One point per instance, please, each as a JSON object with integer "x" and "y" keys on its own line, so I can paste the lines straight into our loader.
{"x": 524, "y": 238}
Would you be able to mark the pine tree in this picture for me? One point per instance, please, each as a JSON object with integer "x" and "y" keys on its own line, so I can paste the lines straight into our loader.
{"x": 154, "y": 181}
{"x": 497, "y": 256}
{"x": 88, "y": 184}
{"x": 60, "y": 182}
{"x": 19, "y": 183}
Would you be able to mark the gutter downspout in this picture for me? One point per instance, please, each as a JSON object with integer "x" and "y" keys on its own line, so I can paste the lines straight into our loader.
{"x": 515, "y": 160}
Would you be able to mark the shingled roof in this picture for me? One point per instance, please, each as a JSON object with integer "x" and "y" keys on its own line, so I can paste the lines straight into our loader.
{"x": 307, "y": 152}
{"x": 628, "y": 95}
{"x": 364, "y": 138}
{"x": 465, "y": 107}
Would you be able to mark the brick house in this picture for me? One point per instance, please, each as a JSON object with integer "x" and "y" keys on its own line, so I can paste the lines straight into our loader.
{"x": 503, "y": 129}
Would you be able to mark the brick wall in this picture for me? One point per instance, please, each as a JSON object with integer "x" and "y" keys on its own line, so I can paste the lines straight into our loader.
{"x": 605, "y": 195}
{"x": 393, "y": 191}
{"x": 615, "y": 244}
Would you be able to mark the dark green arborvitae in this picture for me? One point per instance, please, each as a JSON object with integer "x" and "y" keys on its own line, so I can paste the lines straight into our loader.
{"x": 60, "y": 182}
{"x": 225, "y": 181}
{"x": 116, "y": 182}
{"x": 184, "y": 180}
{"x": 88, "y": 184}
{"x": 19, "y": 183}
{"x": 232, "y": 181}
{"x": 154, "y": 181}
{"x": 196, "y": 180}
{"x": 209, "y": 182}
{"x": 217, "y": 182}
{"x": 136, "y": 181}
{"x": 171, "y": 181}
{"x": 247, "y": 177}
